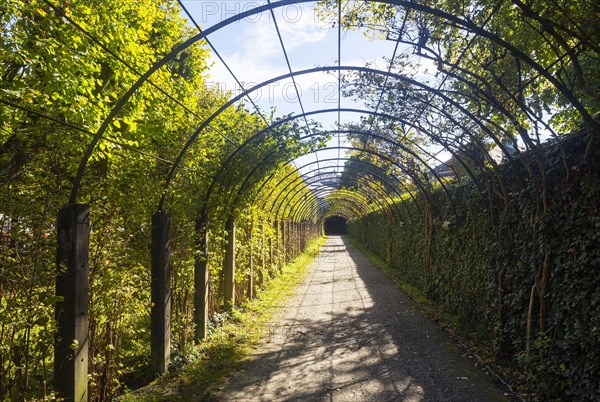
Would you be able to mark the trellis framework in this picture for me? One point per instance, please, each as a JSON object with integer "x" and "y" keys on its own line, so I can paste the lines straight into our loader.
{"x": 441, "y": 117}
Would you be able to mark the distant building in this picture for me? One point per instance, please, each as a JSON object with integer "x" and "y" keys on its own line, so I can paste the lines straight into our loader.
{"x": 451, "y": 167}
{"x": 498, "y": 155}
{"x": 443, "y": 169}
{"x": 329, "y": 178}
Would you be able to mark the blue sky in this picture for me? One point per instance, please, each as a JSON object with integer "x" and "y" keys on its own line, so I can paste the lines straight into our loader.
{"x": 252, "y": 50}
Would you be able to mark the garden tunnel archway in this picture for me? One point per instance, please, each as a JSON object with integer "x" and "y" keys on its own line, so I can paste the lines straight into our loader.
{"x": 388, "y": 150}
{"x": 335, "y": 226}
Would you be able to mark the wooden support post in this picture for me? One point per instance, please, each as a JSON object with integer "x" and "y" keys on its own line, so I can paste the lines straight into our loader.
{"x": 285, "y": 234}
{"x": 71, "y": 310}
{"x": 201, "y": 279}
{"x": 293, "y": 240}
{"x": 280, "y": 244}
{"x": 229, "y": 265}
{"x": 271, "y": 269}
{"x": 296, "y": 237}
{"x": 290, "y": 240}
{"x": 262, "y": 253}
{"x": 307, "y": 235}
{"x": 160, "y": 313}
{"x": 274, "y": 262}
{"x": 281, "y": 250}
{"x": 250, "y": 290}
{"x": 298, "y": 241}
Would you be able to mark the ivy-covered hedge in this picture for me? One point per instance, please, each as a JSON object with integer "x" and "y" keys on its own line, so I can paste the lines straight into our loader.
{"x": 505, "y": 239}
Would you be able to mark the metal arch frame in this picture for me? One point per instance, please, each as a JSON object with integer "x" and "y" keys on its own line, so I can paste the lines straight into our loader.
{"x": 301, "y": 180}
{"x": 454, "y": 103}
{"x": 322, "y": 202}
{"x": 345, "y": 205}
{"x": 349, "y": 213}
{"x": 313, "y": 162}
{"x": 320, "y": 190}
{"x": 251, "y": 173}
{"x": 369, "y": 134}
{"x": 230, "y": 158}
{"x": 444, "y": 144}
{"x": 294, "y": 191}
{"x": 324, "y": 191}
{"x": 382, "y": 178}
{"x": 338, "y": 201}
{"x": 383, "y": 156}
{"x": 332, "y": 210}
{"x": 301, "y": 212}
{"x": 456, "y": 21}
{"x": 390, "y": 206}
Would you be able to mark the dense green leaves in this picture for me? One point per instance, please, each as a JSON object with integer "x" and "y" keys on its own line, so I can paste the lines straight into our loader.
{"x": 63, "y": 67}
{"x": 522, "y": 69}
{"x": 480, "y": 268}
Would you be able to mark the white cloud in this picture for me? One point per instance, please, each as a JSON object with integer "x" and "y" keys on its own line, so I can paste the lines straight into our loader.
{"x": 252, "y": 49}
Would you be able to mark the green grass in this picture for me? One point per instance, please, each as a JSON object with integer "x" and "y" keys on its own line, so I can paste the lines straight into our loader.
{"x": 226, "y": 347}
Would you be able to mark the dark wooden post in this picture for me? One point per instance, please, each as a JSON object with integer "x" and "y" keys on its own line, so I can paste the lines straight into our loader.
{"x": 229, "y": 265}
{"x": 298, "y": 241}
{"x": 278, "y": 244}
{"x": 274, "y": 250}
{"x": 262, "y": 253}
{"x": 71, "y": 310}
{"x": 271, "y": 265}
{"x": 295, "y": 233}
{"x": 201, "y": 278}
{"x": 250, "y": 290}
{"x": 160, "y": 313}
{"x": 292, "y": 227}
{"x": 284, "y": 242}
{"x": 292, "y": 240}
{"x": 288, "y": 241}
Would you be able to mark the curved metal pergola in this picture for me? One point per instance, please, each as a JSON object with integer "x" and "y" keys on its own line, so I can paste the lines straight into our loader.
{"x": 458, "y": 22}
{"x": 455, "y": 125}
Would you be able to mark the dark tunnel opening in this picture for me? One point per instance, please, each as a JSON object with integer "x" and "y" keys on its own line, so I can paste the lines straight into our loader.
{"x": 335, "y": 226}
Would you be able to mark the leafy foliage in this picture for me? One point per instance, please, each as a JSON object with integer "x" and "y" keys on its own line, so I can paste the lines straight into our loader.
{"x": 480, "y": 268}
{"x": 64, "y": 66}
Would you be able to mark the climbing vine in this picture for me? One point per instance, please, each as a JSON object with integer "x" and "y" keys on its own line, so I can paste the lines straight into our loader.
{"x": 478, "y": 266}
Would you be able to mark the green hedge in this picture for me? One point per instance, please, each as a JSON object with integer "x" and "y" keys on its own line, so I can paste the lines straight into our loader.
{"x": 483, "y": 268}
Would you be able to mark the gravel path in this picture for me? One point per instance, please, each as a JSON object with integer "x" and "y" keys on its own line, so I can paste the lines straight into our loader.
{"x": 349, "y": 334}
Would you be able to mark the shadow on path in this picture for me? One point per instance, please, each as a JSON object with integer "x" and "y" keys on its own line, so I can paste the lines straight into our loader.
{"x": 350, "y": 334}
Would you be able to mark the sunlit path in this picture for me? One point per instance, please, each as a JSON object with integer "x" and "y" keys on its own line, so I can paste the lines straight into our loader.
{"x": 349, "y": 334}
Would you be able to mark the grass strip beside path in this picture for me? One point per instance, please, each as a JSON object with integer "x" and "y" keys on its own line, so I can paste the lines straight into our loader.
{"x": 227, "y": 346}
